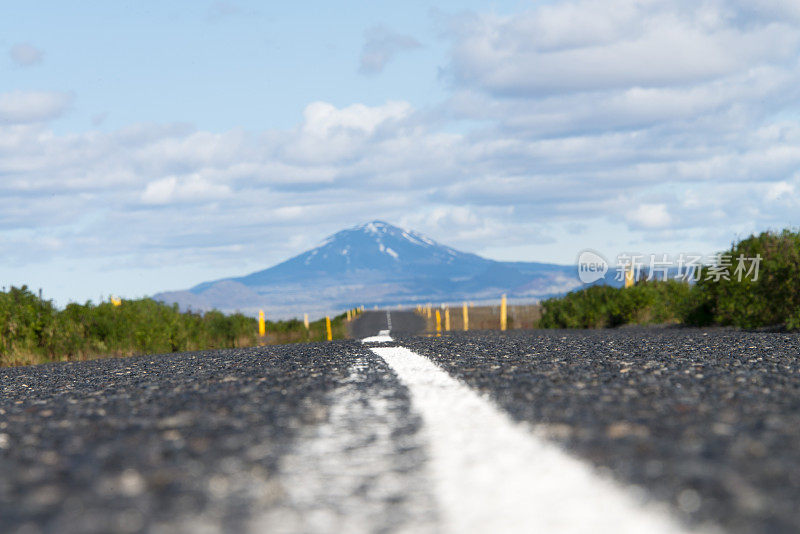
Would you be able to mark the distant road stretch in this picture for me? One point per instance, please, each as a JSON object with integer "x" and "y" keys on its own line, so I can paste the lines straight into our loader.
{"x": 629, "y": 430}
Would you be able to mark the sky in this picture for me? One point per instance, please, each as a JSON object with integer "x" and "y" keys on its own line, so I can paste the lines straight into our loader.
{"x": 149, "y": 146}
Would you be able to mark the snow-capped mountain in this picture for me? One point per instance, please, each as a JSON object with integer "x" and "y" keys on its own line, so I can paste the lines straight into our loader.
{"x": 375, "y": 264}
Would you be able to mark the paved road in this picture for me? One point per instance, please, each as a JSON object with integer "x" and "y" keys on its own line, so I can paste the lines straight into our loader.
{"x": 398, "y": 322}
{"x": 700, "y": 428}
{"x": 707, "y": 421}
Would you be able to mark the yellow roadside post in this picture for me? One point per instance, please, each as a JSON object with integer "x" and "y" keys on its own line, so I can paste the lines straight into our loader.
{"x": 446, "y": 319}
{"x": 262, "y": 325}
{"x": 305, "y": 321}
{"x": 465, "y": 312}
{"x": 629, "y": 275}
{"x": 328, "y": 328}
{"x": 429, "y": 311}
{"x": 438, "y": 323}
{"x": 503, "y": 313}
{"x": 348, "y": 315}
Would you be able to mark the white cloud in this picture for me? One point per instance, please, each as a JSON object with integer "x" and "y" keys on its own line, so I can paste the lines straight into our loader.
{"x": 173, "y": 189}
{"x": 323, "y": 119}
{"x": 781, "y": 191}
{"x": 381, "y": 45}
{"x": 329, "y": 134}
{"x": 22, "y": 107}
{"x": 25, "y": 54}
{"x": 581, "y": 45}
{"x": 650, "y": 216}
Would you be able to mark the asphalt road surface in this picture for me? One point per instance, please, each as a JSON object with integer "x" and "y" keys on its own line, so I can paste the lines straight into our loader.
{"x": 398, "y": 322}
{"x": 658, "y": 430}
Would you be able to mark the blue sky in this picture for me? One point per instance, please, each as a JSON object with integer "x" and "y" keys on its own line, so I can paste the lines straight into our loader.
{"x": 222, "y": 65}
{"x": 147, "y": 146}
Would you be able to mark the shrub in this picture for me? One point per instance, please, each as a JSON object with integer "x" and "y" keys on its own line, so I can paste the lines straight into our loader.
{"x": 33, "y": 330}
{"x": 605, "y": 306}
{"x": 773, "y": 298}
{"x": 770, "y": 297}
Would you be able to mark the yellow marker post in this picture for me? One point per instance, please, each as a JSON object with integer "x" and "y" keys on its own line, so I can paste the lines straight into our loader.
{"x": 429, "y": 311}
{"x": 629, "y": 275}
{"x": 262, "y": 325}
{"x": 503, "y": 313}
{"x": 438, "y": 323}
{"x": 328, "y": 328}
{"x": 305, "y": 320}
{"x": 348, "y": 315}
{"x": 446, "y": 319}
{"x": 465, "y": 312}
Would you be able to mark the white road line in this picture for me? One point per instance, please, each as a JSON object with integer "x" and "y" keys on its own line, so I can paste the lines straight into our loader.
{"x": 382, "y": 337}
{"x": 389, "y": 320}
{"x": 494, "y": 475}
{"x": 345, "y": 473}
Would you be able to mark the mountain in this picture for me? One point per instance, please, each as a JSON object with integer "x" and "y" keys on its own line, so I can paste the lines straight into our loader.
{"x": 375, "y": 264}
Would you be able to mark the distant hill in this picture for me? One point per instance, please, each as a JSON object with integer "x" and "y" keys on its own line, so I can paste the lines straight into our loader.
{"x": 375, "y": 264}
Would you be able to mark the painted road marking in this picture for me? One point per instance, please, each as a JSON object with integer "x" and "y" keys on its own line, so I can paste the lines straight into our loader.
{"x": 389, "y": 321}
{"x": 345, "y": 473}
{"x": 382, "y": 337}
{"x": 494, "y": 475}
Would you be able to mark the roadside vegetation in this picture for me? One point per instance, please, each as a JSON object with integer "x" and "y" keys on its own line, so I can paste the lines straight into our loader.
{"x": 772, "y": 299}
{"x": 33, "y": 330}
{"x": 606, "y": 306}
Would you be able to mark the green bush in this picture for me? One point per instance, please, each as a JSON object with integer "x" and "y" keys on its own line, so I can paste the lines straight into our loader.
{"x": 25, "y": 320}
{"x": 605, "y": 306}
{"x": 721, "y": 296}
{"x": 772, "y": 299}
{"x": 32, "y": 330}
